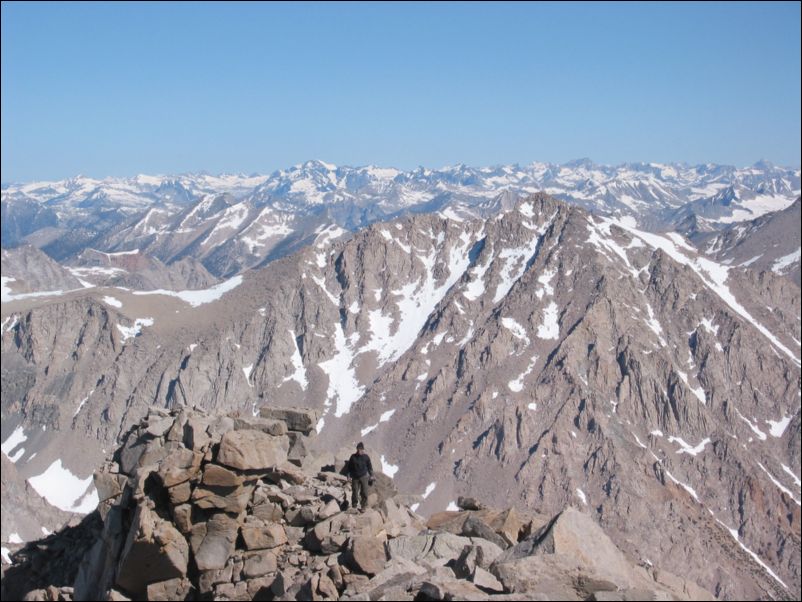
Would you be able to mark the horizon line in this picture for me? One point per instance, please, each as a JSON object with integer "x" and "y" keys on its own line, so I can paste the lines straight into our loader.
{"x": 333, "y": 166}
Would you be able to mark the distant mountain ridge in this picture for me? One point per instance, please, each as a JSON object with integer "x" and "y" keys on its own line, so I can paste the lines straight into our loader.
{"x": 234, "y": 222}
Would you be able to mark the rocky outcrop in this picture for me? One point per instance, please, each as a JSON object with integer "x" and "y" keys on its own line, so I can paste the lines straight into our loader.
{"x": 140, "y": 271}
{"x": 29, "y": 270}
{"x": 286, "y": 533}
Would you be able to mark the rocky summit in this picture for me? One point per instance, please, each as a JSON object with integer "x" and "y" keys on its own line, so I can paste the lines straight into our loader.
{"x": 200, "y": 507}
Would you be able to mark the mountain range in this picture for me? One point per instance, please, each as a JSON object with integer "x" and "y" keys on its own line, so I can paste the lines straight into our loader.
{"x": 515, "y": 347}
{"x": 234, "y": 222}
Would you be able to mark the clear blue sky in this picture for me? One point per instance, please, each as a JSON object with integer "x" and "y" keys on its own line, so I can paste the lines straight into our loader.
{"x": 120, "y": 89}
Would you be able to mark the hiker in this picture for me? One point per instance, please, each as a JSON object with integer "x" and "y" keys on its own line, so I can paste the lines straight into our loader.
{"x": 360, "y": 475}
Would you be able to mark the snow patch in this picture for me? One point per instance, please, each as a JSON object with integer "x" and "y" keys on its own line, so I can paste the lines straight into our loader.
{"x": 761, "y": 435}
{"x": 687, "y": 488}
{"x": 14, "y": 439}
{"x": 780, "y": 486}
{"x": 299, "y": 375}
{"x": 515, "y": 328}
{"x": 130, "y": 332}
{"x": 383, "y": 418}
{"x": 654, "y": 324}
{"x": 199, "y": 297}
{"x": 549, "y": 328}
{"x": 466, "y": 339}
{"x": 688, "y": 449}
{"x": 6, "y": 296}
{"x": 709, "y": 326}
{"x": 415, "y": 302}
{"x": 755, "y": 207}
{"x": 266, "y": 232}
{"x": 792, "y": 475}
{"x": 545, "y": 281}
{"x": 83, "y": 401}
{"x": 699, "y": 392}
{"x": 113, "y": 301}
{"x": 734, "y": 533}
{"x": 517, "y": 385}
{"x": 519, "y": 256}
{"x": 387, "y": 468}
{"x": 64, "y": 490}
{"x": 780, "y": 265}
{"x": 368, "y": 429}
{"x": 322, "y": 284}
{"x": 343, "y": 384}
{"x": 13, "y": 319}
{"x": 476, "y": 287}
{"x": 778, "y": 427}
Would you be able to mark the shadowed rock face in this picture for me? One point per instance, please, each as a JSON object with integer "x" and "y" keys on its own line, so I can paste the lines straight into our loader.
{"x": 156, "y": 546}
{"x": 540, "y": 358}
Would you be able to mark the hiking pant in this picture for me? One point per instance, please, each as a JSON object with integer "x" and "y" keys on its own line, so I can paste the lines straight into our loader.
{"x": 359, "y": 491}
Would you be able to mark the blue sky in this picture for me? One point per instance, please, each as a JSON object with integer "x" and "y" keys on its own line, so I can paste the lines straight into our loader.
{"x": 122, "y": 89}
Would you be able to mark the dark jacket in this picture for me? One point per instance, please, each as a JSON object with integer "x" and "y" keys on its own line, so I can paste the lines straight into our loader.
{"x": 359, "y": 465}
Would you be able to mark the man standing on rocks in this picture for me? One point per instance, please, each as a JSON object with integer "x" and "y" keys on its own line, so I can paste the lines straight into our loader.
{"x": 360, "y": 474}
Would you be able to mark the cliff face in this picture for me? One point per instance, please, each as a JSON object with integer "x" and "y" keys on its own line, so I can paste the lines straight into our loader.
{"x": 228, "y": 508}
